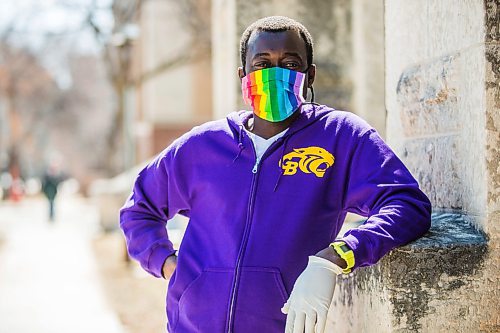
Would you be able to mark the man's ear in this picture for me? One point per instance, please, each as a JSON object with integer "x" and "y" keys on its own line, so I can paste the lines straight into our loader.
{"x": 241, "y": 73}
{"x": 311, "y": 74}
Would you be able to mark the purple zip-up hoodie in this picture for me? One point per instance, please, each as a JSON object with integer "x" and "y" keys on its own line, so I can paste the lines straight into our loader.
{"x": 253, "y": 225}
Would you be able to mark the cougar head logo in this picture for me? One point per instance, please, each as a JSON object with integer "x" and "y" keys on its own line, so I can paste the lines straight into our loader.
{"x": 314, "y": 160}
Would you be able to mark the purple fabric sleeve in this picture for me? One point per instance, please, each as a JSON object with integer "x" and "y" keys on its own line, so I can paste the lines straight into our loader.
{"x": 156, "y": 197}
{"x": 382, "y": 189}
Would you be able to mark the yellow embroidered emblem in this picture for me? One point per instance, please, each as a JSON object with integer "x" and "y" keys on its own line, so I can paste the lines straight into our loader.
{"x": 309, "y": 160}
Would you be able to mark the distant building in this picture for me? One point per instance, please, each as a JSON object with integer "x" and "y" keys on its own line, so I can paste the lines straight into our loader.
{"x": 171, "y": 86}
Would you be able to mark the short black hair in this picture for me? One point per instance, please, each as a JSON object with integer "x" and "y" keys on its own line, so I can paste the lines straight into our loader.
{"x": 276, "y": 24}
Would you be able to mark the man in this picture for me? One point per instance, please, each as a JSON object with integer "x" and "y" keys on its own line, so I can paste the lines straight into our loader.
{"x": 50, "y": 183}
{"x": 266, "y": 193}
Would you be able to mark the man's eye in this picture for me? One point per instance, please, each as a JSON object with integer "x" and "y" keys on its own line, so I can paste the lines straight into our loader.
{"x": 261, "y": 64}
{"x": 291, "y": 65}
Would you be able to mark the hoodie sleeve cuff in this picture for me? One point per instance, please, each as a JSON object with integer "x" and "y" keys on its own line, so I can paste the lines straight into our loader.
{"x": 357, "y": 248}
{"x": 157, "y": 258}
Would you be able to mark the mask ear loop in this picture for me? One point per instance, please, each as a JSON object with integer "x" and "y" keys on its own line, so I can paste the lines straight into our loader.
{"x": 310, "y": 87}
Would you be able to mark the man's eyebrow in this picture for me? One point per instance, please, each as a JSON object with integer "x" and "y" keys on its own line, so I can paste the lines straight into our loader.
{"x": 261, "y": 54}
{"x": 293, "y": 54}
{"x": 266, "y": 54}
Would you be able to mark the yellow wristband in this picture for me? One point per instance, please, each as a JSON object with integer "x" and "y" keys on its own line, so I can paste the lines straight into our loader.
{"x": 345, "y": 253}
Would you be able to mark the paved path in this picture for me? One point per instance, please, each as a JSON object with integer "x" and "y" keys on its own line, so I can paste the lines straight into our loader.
{"x": 48, "y": 277}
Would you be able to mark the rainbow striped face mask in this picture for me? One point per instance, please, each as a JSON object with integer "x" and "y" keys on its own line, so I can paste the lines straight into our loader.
{"x": 274, "y": 93}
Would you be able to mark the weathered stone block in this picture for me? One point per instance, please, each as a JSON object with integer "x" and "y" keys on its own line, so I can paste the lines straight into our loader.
{"x": 418, "y": 280}
{"x": 433, "y": 163}
{"x": 418, "y": 32}
{"x": 368, "y": 62}
{"x": 457, "y": 49}
{"x": 427, "y": 94}
{"x": 441, "y": 104}
{"x": 492, "y": 19}
{"x": 493, "y": 122}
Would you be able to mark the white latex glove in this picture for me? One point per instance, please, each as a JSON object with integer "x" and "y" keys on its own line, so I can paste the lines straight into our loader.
{"x": 311, "y": 297}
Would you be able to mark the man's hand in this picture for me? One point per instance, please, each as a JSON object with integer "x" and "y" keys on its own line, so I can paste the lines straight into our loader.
{"x": 169, "y": 266}
{"x": 311, "y": 297}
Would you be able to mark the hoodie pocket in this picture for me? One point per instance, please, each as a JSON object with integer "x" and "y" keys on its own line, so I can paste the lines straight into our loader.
{"x": 261, "y": 295}
{"x": 203, "y": 305}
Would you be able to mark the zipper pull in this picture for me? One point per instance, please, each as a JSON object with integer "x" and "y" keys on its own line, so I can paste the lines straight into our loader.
{"x": 255, "y": 167}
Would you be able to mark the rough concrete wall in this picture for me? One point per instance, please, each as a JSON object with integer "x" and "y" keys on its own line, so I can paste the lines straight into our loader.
{"x": 330, "y": 25}
{"x": 368, "y": 63}
{"x": 361, "y": 303}
{"x": 165, "y": 44}
{"x": 435, "y": 97}
{"x": 224, "y": 59}
{"x": 492, "y": 226}
{"x": 492, "y": 48}
{"x": 418, "y": 31}
{"x": 442, "y": 96}
{"x": 441, "y": 111}
{"x": 167, "y": 93}
{"x": 431, "y": 285}
{"x": 442, "y": 284}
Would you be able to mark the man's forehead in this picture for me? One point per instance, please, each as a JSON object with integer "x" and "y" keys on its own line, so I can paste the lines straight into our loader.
{"x": 267, "y": 41}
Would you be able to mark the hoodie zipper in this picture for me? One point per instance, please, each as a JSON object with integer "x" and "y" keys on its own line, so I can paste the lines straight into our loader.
{"x": 253, "y": 191}
{"x": 253, "y": 186}
{"x": 256, "y": 166}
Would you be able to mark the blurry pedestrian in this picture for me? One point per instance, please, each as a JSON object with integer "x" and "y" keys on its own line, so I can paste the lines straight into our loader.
{"x": 267, "y": 193}
{"x": 50, "y": 183}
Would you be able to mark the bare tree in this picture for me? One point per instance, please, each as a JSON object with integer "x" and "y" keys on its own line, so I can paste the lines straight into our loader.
{"x": 39, "y": 116}
{"x": 33, "y": 100}
{"x": 117, "y": 56}
{"x": 118, "y": 50}
{"x": 28, "y": 93}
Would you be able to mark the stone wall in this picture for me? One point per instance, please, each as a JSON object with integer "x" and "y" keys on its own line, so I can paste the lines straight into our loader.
{"x": 421, "y": 287}
{"x": 435, "y": 77}
{"x": 492, "y": 126}
{"x": 442, "y": 97}
{"x": 224, "y": 59}
{"x": 368, "y": 62}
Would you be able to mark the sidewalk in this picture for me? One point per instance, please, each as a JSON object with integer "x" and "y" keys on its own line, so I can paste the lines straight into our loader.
{"x": 48, "y": 277}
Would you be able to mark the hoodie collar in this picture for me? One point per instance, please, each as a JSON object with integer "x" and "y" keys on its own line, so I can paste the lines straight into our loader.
{"x": 308, "y": 113}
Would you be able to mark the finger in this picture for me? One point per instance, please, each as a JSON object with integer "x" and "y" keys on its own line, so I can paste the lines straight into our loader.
{"x": 321, "y": 322}
{"x": 286, "y": 307}
{"x": 310, "y": 321}
{"x": 290, "y": 318}
{"x": 298, "y": 325}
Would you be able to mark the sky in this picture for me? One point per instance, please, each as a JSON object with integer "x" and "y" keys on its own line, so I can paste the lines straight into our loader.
{"x": 32, "y": 19}
{"x": 54, "y": 28}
